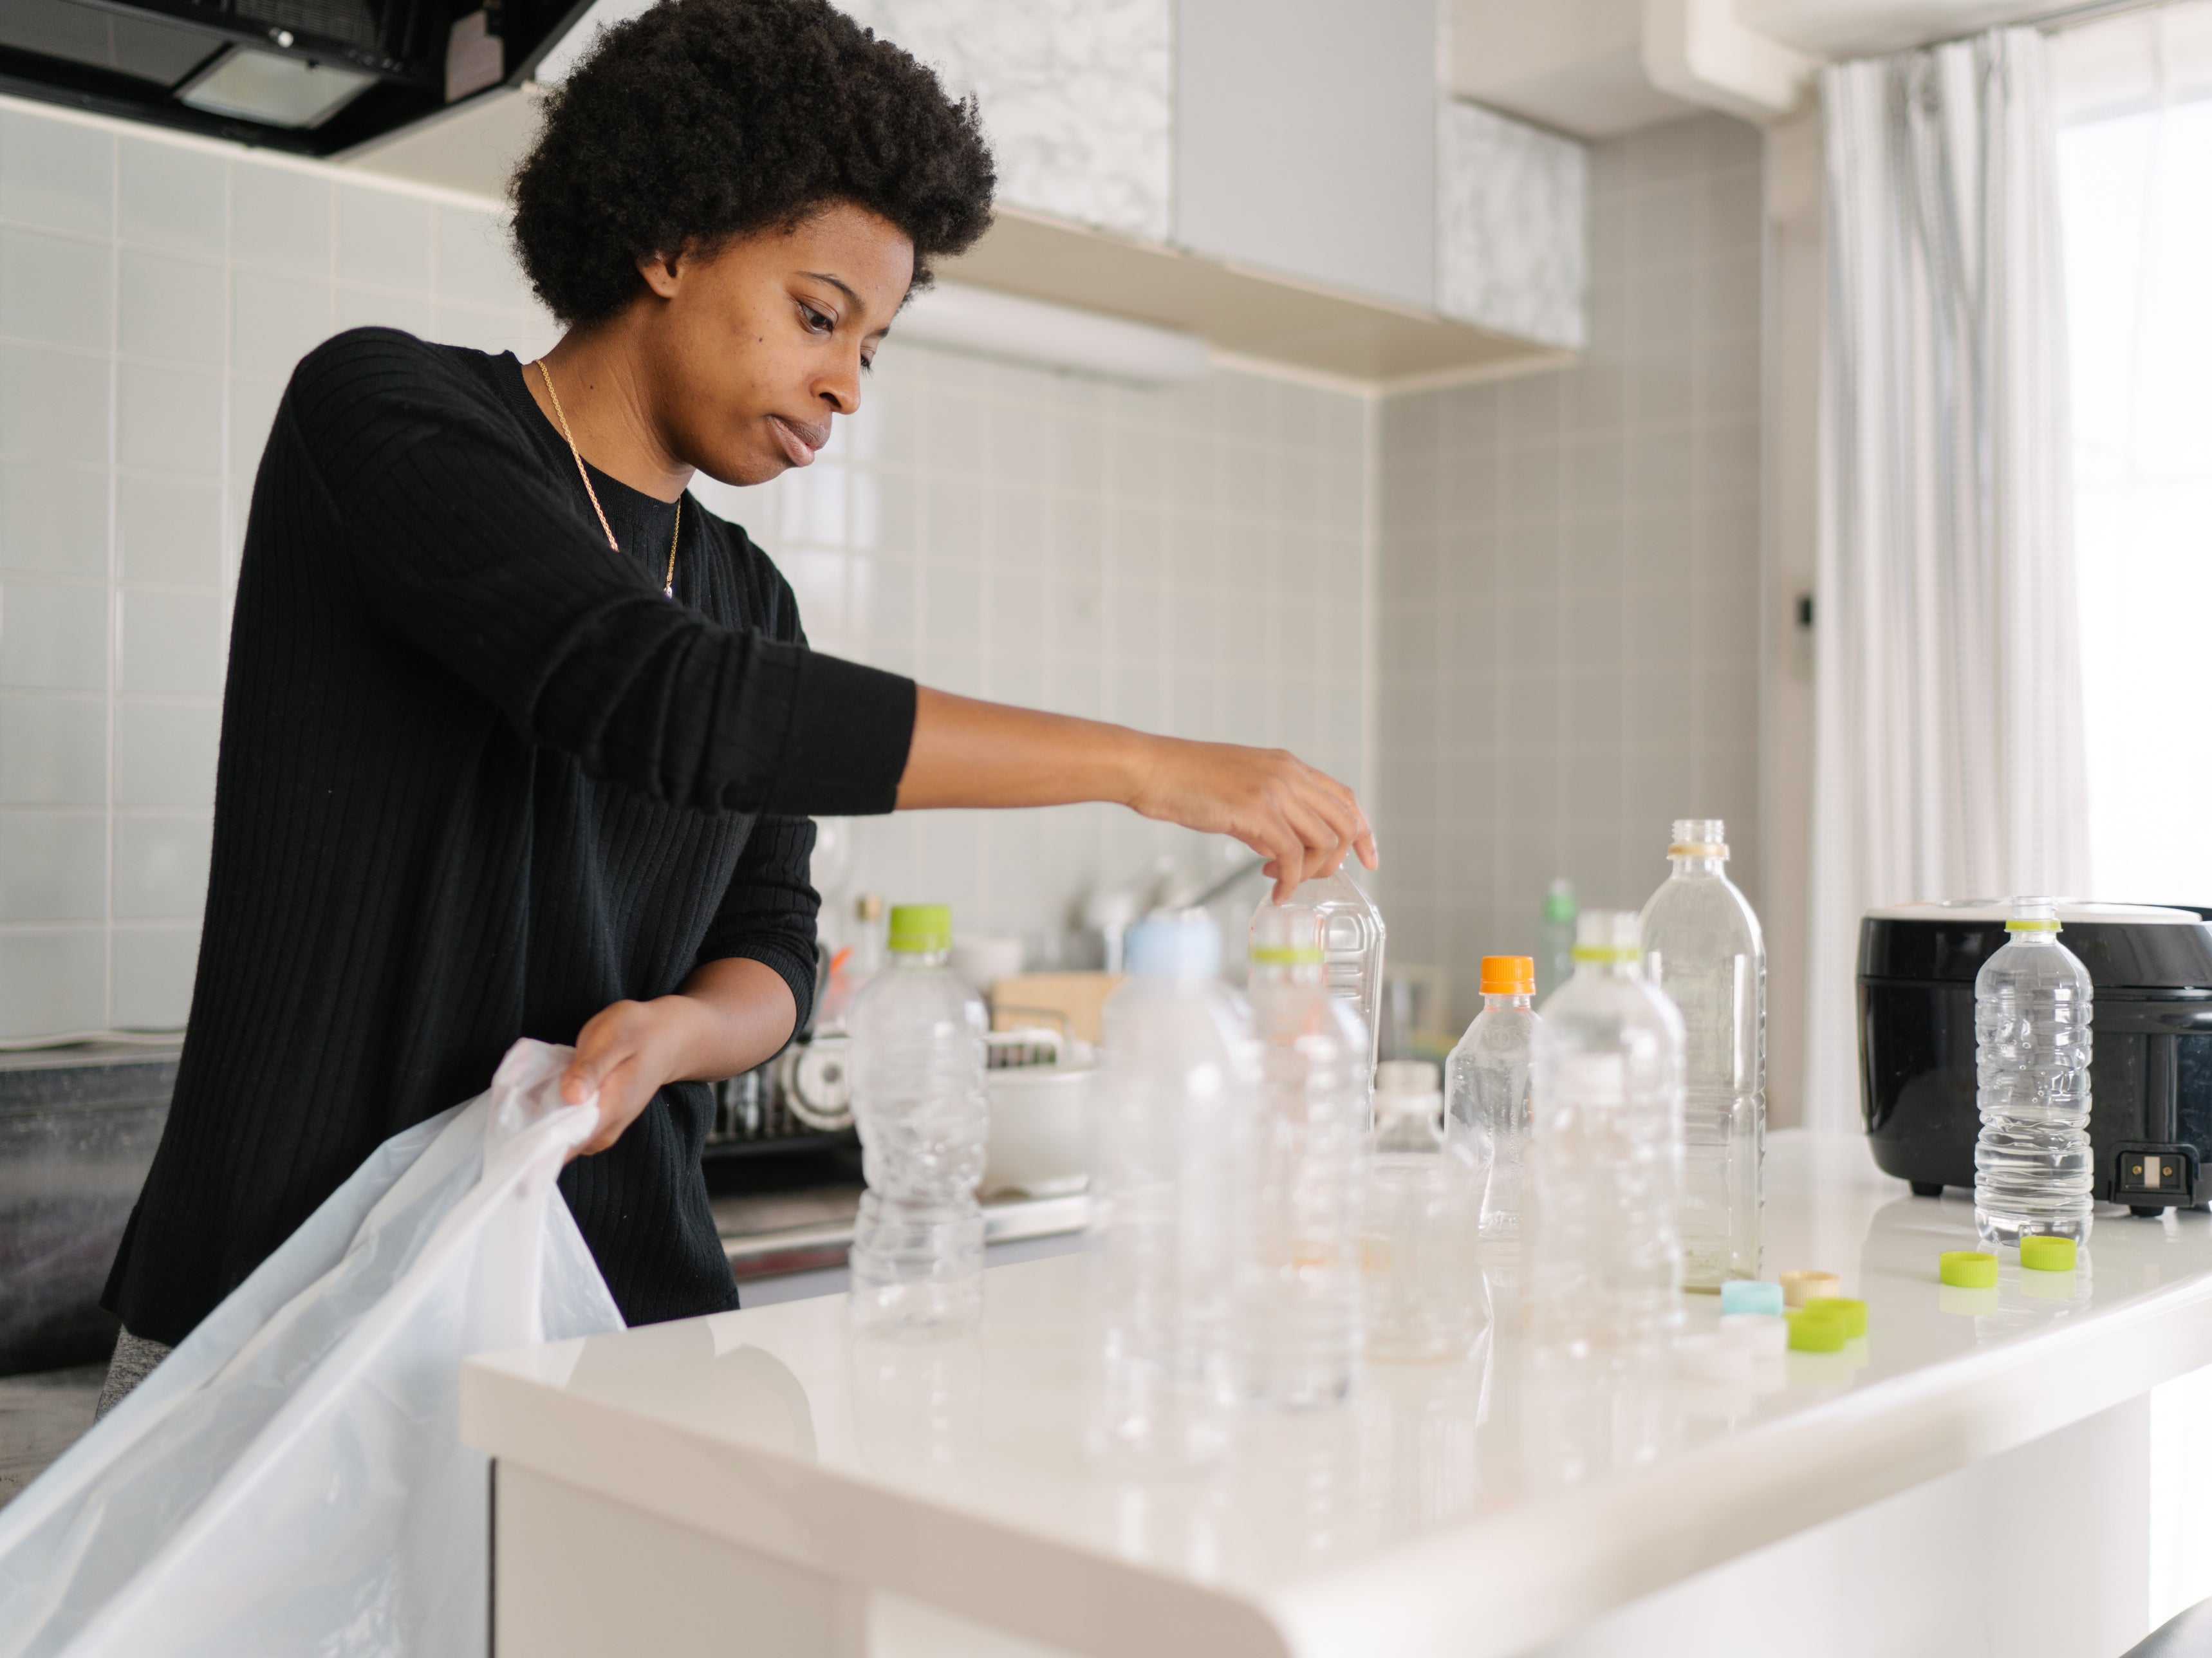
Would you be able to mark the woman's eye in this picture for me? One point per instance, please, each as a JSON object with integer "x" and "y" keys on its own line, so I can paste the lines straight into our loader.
{"x": 815, "y": 318}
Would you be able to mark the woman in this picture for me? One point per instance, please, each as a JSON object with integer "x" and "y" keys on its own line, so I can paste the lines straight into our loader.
{"x": 519, "y": 741}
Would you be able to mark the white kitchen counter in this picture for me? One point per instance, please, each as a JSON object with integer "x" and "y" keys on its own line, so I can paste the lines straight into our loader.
{"x": 1974, "y": 1476}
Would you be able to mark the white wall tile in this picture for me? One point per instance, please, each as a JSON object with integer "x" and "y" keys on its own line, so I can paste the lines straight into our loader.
{"x": 170, "y": 643}
{"x": 169, "y": 530}
{"x": 55, "y": 407}
{"x": 165, "y": 754}
{"x": 253, "y": 404}
{"x": 472, "y": 263}
{"x": 54, "y": 866}
{"x": 280, "y": 218}
{"x": 361, "y": 307}
{"x": 171, "y": 419}
{"x": 55, "y": 290}
{"x": 161, "y": 866}
{"x": 52, "y": 981}
{"x": 53, "y": 521}
{"x": 384, "y": 240}
{"x": 52, "y": 637}
{"x": 58, "y": 174}
{"x": 53, "y": 751}
{"x": 172, "y": 196}
{"x": 275, "y": 321}
{"x": 171, "y": 308}
{"x": 153, "y": 973}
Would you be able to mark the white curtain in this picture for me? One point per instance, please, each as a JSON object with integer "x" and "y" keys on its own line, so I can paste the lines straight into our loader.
{"x": 1948, "y": 702}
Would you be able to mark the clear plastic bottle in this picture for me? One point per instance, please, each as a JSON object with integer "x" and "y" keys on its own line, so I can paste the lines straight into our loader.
{"x": 1487, "y": 1091}
{"x": 1702, "y": 946}
{"x": 1424, "y": 1290}
{"x": 918, "y": 1101}
{"x": 2034, "y": 1009}
{"x": 1604, "y": 1265}
{"x": 1177, "y": 1066}
{"x": 1298, "y": 1320}
{"x": 1555, "y": 950}
{"x": 1352, "y": 935}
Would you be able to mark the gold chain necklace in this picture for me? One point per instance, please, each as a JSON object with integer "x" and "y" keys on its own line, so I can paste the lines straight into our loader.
{"x": 668, "y": 587}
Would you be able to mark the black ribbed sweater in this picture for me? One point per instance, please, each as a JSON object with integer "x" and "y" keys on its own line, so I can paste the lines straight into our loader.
{"x": 478, "y": 779}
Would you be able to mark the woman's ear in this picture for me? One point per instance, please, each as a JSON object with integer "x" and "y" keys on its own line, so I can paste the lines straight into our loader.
{"x": 660, "y": 273}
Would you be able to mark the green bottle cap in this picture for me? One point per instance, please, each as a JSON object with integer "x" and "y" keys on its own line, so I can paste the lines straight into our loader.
{"x": 1817, "y": 1333}
{"x": 1559, "y": 907}
{"x": 1851, "y": 1311}
{"x": 2041, "y": 1254}
{"x": 921, "y": 927}
{"x": 1969, "y": 1269}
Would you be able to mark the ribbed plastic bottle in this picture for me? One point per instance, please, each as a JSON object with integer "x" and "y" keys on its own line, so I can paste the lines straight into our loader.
{"x": 1487, "y": 1091}
{"x": 1603, "y": 1261}
{"x": 2033, "y": 1010}
{"x": 1702, "y": 946}
{"x": 1299, "y": 1317}
{"x": 1424, "y": 1290}
{"x": 1555, "y": 950}
{"x": 923, "y": 1120}
{"x": 1177, "y": 1068}
{"x": 1352, "y": 934}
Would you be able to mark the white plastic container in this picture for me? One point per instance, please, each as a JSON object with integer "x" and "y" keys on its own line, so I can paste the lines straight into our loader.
{"x": 1177, "y": 1072}
{"x": 923, "y": 1120}
{"x": 2034, "y": 1006}
{"x": 1604, "y": 1264}
{"x": 1352, "y": 934}
{"x": 1299, "y": 1317}
{"x": 1486, "y": 1082}
{"x": 1425, "y": 1288}
{"x": 1702, "y": 946}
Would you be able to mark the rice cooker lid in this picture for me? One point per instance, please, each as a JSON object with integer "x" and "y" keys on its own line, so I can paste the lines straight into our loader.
{"x": 2124, "y": 946}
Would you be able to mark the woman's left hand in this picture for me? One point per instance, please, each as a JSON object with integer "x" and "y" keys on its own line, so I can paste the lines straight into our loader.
{"x": 625, "y": 1056}
{"x": 730, "y": 1016}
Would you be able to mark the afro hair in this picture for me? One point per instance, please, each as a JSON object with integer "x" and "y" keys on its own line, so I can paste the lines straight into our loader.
{"x": 701, "y": 120}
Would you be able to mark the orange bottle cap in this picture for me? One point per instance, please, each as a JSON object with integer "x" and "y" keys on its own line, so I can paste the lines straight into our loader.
{"x": 1509, "y": 975}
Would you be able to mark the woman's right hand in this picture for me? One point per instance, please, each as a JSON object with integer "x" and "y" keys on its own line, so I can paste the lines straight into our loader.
{"x": 1302, "y": 821}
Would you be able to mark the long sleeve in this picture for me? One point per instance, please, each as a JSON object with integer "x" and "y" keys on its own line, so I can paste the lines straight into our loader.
{"x": 768, "y": 911}
{"x": 448, "y": 523}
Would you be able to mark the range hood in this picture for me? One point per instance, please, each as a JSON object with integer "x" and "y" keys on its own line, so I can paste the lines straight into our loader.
{"x": 312, "y": 76}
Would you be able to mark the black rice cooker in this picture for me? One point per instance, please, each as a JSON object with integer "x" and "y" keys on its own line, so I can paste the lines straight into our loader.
{"x": 2150, "y": 1070}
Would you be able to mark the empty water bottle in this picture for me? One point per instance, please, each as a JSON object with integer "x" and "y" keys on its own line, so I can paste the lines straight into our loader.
{"x": 2034, "y": 1006}
{"x": 1487, "y": 1091}
{"x": 1176, "y": 1070}
{"x": 1298, "y": 1314}
{"x": 1351, "y": 931}
{"x": 1702, "y": 946}
{"x": 1604, "y": 1264}
{"x": 1424, "y": 1285}
{"x": 918, "y": 1101}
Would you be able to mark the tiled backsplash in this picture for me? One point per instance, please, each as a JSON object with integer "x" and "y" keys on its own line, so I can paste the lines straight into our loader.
{"x": 155, "y": 293}
{"x": 1195, "y": 560}
{"x": 1570, "y": 613}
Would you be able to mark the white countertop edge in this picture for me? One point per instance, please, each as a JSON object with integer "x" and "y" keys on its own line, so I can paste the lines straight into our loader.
{"x": 1497, "y": 1585}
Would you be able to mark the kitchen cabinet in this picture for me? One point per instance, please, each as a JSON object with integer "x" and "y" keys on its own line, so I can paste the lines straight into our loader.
{"x": 767, "y": 1480}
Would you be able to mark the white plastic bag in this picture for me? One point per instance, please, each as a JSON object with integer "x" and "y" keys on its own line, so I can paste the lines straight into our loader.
{"x": 291, "y": 1479}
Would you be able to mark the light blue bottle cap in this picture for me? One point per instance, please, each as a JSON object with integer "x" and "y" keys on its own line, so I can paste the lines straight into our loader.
{"x": 1174, "y": 943}
{"x": 1751, "y": 1296}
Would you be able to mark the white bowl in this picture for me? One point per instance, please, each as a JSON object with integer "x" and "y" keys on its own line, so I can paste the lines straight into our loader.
{"x": 1040, "y": 1129}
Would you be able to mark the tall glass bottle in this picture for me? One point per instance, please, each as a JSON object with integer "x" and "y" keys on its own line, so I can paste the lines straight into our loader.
{"x": 918, "y": 1101}
{"x": 1299, "y": 1315}
{"x": 1424, "y": 1287}
{"x": 1555, "y": 950}
{"x": 1702, "y": 946}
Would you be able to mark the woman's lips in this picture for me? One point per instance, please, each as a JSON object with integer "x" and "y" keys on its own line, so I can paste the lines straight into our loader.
{"x": 800, "y": 438}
